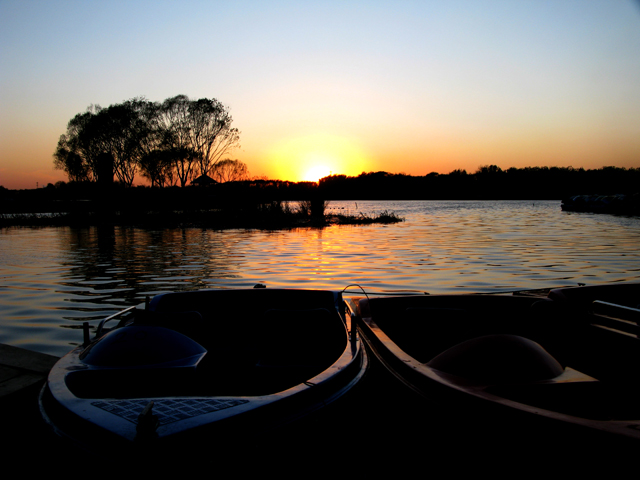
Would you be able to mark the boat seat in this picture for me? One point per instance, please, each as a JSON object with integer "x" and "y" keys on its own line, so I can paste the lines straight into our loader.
{"x": 498, "y": 359}
{"x": 188, "y": 323}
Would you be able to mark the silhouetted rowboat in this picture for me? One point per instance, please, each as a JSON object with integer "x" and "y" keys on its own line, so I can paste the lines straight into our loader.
{"x": 223, "y": 362}
{"x": 572, "y": 357}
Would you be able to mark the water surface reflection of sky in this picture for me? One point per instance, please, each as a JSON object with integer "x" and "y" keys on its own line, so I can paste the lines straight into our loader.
{"x": 53, "y": 279}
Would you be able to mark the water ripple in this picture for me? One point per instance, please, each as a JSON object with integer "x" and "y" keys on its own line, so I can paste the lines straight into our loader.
{"x": 53, "y": 279}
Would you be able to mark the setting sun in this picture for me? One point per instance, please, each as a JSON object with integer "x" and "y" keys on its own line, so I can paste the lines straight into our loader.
{"x": 316, "y": 172}
{"x": 313, "y": 157}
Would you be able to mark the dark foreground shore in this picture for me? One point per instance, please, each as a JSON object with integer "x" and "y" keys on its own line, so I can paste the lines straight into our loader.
{"x": 380, "y": 428}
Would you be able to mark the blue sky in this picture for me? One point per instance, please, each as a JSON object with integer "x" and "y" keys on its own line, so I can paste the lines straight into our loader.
{"x": 339, "y": 86}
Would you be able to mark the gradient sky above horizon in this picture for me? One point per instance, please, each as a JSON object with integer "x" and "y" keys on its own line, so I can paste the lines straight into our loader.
{"x": 336, "y": 86}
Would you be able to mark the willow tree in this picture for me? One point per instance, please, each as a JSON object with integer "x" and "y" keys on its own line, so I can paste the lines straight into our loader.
{"x": 172, "y": 141}
{"x": 66, "y": 159}
{"x": 212, "y": 134}
{"x": 228, "y": 170}
{"x": 157, "y": 166}
{"x": 124, "y": 131}
{"x": 198, "y": 132}
{"x": 118, "y": 133}
{"x": 80, "y": 147}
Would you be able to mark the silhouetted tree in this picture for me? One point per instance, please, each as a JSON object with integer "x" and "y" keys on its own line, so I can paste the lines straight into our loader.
{"x": 488, "y": 170}
{"x": 116, "y": 131}
{"x": 168, "y": 142}
{"x": 120, "y": 126}
{"x": 70, "y": 162}
{"x": 157, "y": 167}
{"x": 229, "y": 171}
{"x": 183, "y": 160}
{"x": 198, "y": 132}
{"x": 211, "y": 131}
{"x": 78, "y": 150}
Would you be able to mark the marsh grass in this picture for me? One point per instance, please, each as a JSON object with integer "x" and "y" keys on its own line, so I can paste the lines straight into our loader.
{"x": 32, "y": 219}
{"x": 384, "y": 217}
{"x": 270, "y": 215}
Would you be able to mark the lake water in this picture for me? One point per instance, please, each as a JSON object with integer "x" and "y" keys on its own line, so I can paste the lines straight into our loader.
{"x": 53, "y": 279}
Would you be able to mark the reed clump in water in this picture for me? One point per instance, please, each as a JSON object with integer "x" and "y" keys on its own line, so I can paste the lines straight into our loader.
{"x": 364, "y": 219}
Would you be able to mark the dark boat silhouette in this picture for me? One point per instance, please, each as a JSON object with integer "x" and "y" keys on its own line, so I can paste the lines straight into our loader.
{"x": 198, "y": 366}
{"x": 567, "y": 359}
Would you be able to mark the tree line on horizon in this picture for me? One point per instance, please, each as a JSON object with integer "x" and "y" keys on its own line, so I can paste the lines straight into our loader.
{"x": 168, "y": 143}
{"x": 488, "y": 182}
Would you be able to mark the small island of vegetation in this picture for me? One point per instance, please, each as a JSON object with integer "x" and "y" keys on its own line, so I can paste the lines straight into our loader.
{"x": 144, "y": 207}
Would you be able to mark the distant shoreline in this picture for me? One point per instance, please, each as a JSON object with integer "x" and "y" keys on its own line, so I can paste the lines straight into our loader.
{"x": 488, "y": 183}
{"x": 267, "y": 204}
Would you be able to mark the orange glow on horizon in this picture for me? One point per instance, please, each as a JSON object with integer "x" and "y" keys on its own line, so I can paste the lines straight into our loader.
{"x": 313, "y": 157}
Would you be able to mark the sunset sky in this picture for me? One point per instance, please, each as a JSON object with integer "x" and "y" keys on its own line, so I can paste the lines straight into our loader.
{"x": 336, "y": 86}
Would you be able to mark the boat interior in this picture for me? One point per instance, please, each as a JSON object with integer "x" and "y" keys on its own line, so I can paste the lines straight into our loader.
{"x": 575, "y": 351}
{"x": 224, "y": 342}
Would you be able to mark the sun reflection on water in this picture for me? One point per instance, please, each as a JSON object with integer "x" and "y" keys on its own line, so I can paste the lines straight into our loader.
{"x": 55, "y": 278}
